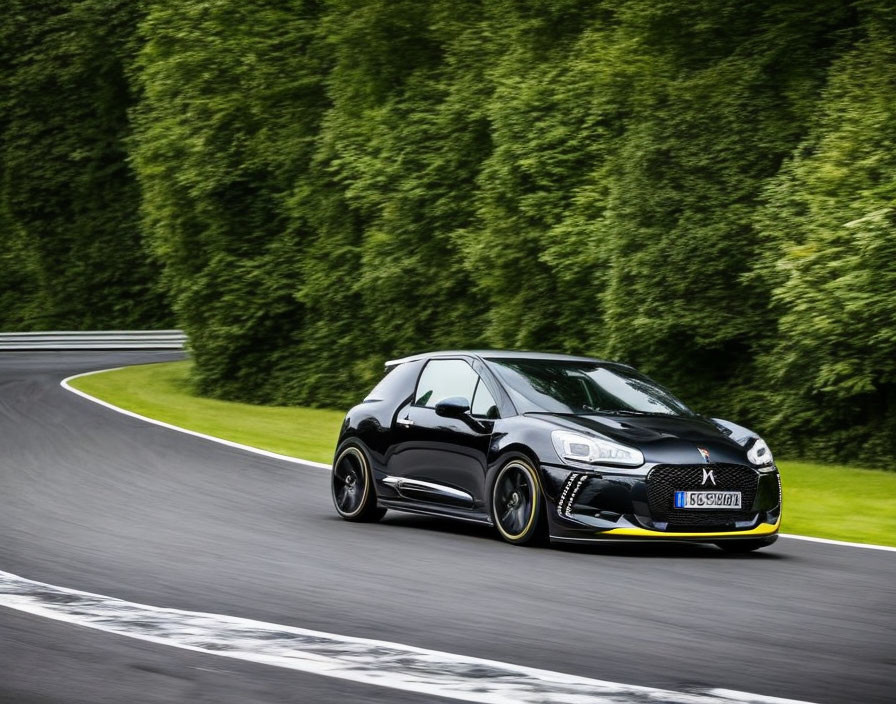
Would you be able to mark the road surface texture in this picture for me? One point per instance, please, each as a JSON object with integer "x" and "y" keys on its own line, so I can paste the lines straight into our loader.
{"x": 94, "y": 500}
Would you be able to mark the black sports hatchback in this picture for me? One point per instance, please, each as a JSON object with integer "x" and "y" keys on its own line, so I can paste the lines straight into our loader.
{"x": 572, "y": 448}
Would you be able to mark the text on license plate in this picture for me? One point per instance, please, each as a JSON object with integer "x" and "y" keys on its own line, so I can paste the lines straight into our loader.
{"x": 707, "y": 499}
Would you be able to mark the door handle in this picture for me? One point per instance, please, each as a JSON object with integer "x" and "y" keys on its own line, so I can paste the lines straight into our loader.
{"x": 406, "y": 422}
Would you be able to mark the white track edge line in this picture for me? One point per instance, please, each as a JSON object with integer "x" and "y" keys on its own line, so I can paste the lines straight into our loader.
{"x": 320, "y": 465}
{"x": 843, "y": 543}
{"x": 229, "y": 443}
{"x": 319, "y": 665}
{"x": 738, "y": 696}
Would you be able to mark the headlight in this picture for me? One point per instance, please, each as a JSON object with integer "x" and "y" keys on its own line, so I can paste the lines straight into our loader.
{"x": 759, "y": 454}
{"x": 581, "y": 448}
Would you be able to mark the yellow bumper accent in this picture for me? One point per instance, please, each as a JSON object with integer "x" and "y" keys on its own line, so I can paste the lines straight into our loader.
{"x": 761, "y": 529}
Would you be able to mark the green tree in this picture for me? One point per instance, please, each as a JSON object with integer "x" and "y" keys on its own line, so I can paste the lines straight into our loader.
{"x": 554, "y": 113}
{"x": 392, "y": 178}
{"x": 722, "y": 93}
{"x": 232, "y": 93}
{"x": 701, "y": 189}
{"x": 68, "y": 204}
{"x": 830, "y": 223}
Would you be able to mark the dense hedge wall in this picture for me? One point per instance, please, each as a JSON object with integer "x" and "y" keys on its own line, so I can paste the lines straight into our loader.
{"x": 70, "y": 234}
{"x": 706, "y": 190}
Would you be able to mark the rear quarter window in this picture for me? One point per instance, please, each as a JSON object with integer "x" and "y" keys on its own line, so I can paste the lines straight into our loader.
{"x": 398, "y": 383}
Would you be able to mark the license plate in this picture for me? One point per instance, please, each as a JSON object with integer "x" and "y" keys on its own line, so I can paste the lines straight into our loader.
{"x": 707, "y": 499}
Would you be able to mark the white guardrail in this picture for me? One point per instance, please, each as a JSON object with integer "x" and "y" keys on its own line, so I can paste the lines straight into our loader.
{"x": 94, "y": 340}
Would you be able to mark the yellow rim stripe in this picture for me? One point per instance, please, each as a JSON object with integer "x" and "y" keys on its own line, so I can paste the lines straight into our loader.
{"x": 761, "y": 529}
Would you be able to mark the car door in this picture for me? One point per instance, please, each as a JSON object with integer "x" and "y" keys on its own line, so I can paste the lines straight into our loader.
{"x": 443, "y": 460}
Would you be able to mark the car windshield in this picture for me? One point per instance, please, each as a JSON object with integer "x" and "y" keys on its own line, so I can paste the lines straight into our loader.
{"x": 568, "y": 386}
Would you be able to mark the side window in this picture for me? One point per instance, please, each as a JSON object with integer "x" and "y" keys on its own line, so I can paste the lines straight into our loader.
{"x": 444, "y": 378}
{"x": 484, "y": 405}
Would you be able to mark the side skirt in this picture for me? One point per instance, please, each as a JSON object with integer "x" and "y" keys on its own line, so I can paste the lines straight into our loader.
{"x": 440, "y": 511}
{"x": 416, "y": 489}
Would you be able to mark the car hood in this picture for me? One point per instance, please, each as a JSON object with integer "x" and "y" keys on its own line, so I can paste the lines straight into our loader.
{"x": 662, "y": 438}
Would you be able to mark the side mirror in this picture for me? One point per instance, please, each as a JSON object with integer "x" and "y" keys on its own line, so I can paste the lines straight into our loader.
{"x": 453, "y": 407}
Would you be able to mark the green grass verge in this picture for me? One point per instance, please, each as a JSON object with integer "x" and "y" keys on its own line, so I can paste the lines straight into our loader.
{"x": 163, "y": 391}
{"x": 826, "y": 501}
{"x": 843, "y": 503}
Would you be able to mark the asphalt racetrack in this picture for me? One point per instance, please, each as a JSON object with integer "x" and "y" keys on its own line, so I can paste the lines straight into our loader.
{"x": 97, "y": 501}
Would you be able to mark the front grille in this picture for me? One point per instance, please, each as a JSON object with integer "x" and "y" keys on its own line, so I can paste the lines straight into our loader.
{"x": 665, "y": 479}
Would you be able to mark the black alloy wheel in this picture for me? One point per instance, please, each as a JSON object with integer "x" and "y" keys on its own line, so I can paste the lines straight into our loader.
{"x": 516, "y": 502}
{"x": 353, "y": 495}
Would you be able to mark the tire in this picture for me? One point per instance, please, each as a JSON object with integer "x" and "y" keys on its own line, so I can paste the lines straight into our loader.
{"x": 744, "y": 546}
{"x": 517, "y": 503}
{"x": 352, "y": 488}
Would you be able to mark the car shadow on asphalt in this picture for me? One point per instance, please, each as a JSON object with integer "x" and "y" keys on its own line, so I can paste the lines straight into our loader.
{"x": 706, "y": 551}
{"x": 631, "y": 549}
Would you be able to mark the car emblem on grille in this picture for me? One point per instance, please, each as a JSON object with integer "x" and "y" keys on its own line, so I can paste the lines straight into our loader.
{"x": 705, "y": 454}
{"x": 707, "y": 474}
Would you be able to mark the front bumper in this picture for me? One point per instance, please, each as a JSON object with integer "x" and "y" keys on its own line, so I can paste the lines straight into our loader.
{"x": 586, "y": 505}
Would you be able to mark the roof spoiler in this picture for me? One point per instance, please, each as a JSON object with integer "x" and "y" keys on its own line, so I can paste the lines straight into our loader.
{"x": 395, "y": 362}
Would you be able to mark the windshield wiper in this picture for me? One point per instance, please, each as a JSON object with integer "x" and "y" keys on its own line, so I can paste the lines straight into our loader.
{"x": 623, "y": 412}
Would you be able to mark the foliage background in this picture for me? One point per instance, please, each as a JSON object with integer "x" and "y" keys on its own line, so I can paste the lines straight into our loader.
{"x": 706, "y": 190}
